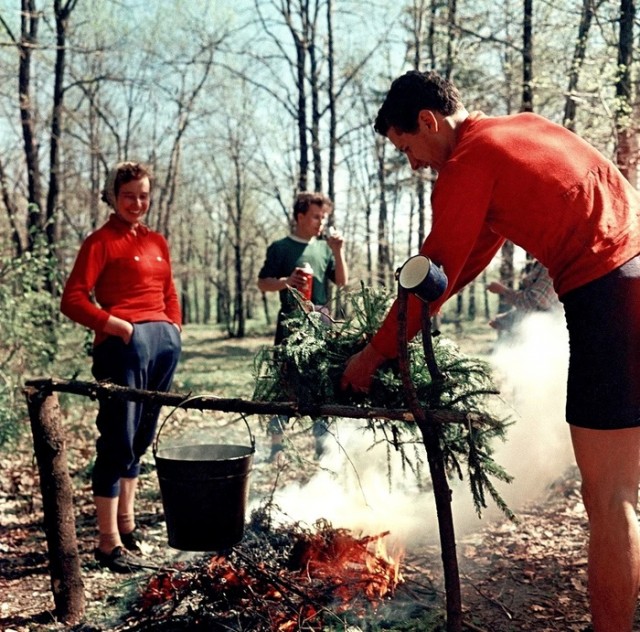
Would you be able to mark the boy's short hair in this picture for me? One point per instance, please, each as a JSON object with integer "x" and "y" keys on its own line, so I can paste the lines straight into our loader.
{"x": 305, "y": 199}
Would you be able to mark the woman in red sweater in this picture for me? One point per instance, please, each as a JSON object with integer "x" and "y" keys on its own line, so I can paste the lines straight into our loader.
{"x": 539, "y": 185}
{"x": 136, "y": 319}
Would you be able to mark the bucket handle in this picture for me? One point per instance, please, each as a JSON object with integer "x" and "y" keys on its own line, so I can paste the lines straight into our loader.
{"x": 186, "y": 400}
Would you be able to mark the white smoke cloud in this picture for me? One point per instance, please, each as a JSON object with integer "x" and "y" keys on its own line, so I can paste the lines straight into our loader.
{"x": 354, "y": 489}
{"x": 533, "y": 374}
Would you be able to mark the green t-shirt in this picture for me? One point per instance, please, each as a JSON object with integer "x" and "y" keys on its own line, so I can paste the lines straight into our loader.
{"x": 288, "y": 253}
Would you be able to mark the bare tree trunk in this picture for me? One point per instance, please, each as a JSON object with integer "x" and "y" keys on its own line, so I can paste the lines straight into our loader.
{"x": 627, "y": 150}
{"x": 62, "y": 13}
{"x": 207, "y": 263}
{"x": 239, "y": 298}
{"x": 331, "y": 169}
{"x": 12, "y": 213}
{"x": 300, "y": 42}
{"x": 452, "y": 32}
{"x": 471, "y": 307}
{"x": 435, "y": 457}
{"x": 485, "y": 295}
{"x": 185, "y": 291}
{"x": 28, "y": 41}
{"x": 315, "y": 106}
{"x": 186, "y": 106}
{"x": 194, "y": 293}
{"x": 527, "y": 57}
{"x": 383, "y": 228}
{"x": 507, "y": 251}
{"x": 507, "y": 274}
{"x": 368, "y": 213}
{"x": 418, "y": 16}
{"x": 589, "y": 8}
{"x": 431, "y": 39}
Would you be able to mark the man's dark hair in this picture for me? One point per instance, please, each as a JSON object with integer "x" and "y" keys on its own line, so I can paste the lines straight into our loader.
{"x": 412, "y": 92}
{"x": 305, "y": 199}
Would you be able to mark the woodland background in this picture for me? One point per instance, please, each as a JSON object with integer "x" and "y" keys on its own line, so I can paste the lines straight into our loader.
{"x": 238, "y": 105}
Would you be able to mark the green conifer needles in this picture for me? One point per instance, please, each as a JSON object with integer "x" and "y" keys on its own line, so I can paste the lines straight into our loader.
{"x": 307, "y": 366}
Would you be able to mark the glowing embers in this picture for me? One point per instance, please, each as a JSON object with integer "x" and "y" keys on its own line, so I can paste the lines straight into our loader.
{"x": 289, "y": 579}
{"x": 352, "y": 567}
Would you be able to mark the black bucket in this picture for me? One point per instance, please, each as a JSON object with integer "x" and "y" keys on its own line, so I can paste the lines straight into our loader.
{"x": 204, "y": 492}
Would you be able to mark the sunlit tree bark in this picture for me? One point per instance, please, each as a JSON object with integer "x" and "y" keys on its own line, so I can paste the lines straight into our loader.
{"x": 627, "y": 150}
{"x": 28, "y": 41}
{"x": 527, "y": 57}
{"x": 62, "y": 12}
{"x": 589, "y": 8}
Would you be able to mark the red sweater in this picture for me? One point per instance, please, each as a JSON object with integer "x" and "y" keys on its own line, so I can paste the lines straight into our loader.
{"x": 537, "y": 184}
{"x": 130, "y": 275}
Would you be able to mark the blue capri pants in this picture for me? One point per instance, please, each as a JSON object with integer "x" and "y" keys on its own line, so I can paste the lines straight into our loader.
{"x": 127, "y": 428}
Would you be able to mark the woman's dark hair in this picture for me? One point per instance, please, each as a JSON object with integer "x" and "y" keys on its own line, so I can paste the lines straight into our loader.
{"x": 412, "y": 92}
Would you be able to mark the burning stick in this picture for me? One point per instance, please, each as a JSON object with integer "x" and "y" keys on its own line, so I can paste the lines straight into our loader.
{"x": 290, "y": 580}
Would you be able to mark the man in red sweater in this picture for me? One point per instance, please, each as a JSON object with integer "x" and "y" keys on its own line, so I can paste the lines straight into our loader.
{"x": 539, "y": 185}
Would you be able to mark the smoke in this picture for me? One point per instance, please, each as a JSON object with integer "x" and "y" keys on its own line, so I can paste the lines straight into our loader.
{"x": 532, "y": 371}
{"x": 358, "y": 487}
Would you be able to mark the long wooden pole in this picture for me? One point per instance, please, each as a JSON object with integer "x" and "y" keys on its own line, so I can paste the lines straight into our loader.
{"x": 431, "y": 441}
{"x": 96, "y": 390}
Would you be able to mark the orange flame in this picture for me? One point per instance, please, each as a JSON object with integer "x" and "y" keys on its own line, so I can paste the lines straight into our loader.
{"x": 356, "y": 567}
{"x": 330, "y": 566}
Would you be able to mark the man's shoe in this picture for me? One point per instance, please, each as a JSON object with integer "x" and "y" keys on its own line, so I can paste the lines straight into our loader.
{"x": 131, "y": 542}
{"x": 119, "y": 560}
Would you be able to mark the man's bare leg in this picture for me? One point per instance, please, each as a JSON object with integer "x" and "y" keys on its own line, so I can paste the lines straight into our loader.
{"x": 609, "y": 462}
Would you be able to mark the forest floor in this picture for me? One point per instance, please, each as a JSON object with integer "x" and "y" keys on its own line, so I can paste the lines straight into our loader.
{"x": 525, "y": 576}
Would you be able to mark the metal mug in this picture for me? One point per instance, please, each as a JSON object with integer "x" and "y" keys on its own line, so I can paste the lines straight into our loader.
{"x": 422, "y": 277}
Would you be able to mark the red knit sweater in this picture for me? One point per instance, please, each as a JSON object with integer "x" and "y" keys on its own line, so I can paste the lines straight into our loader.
{"x": 130, "y": 275}
{"x": 537, "y": 184}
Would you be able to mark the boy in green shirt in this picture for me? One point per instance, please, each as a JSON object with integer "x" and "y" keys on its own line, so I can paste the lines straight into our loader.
{"x": 286, "y": 265}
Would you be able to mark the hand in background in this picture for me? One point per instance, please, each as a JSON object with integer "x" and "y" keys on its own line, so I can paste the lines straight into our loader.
{"x": 496, "y": 288}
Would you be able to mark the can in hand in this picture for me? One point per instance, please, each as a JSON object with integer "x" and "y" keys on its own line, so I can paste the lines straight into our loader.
{"x": 307, "y": 289}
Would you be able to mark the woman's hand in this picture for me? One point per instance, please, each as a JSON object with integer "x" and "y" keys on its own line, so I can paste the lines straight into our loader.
{"x": 360, "y": 368}
{"x": 118, "y": 327}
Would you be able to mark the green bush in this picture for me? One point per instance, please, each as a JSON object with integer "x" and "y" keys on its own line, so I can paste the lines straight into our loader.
{"x": 30, "y": 332}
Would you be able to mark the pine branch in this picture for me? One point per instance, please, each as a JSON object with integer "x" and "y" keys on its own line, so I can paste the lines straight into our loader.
{"x": 308, "y": 365}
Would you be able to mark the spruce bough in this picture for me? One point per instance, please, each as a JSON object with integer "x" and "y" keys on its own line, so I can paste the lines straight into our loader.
{"x": 307, "y": 367}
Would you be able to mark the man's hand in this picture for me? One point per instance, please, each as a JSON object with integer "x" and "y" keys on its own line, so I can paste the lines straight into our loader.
{"x": 360, "y": 368}
{"x": 297, "y": 279}
{"x": 335, "y": 241}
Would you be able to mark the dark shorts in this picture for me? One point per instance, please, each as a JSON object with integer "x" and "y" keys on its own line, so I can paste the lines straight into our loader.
{"x": 603, "y": 320}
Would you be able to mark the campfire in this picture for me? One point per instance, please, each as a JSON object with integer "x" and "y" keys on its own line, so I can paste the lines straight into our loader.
{"x": 282, "y": 580}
